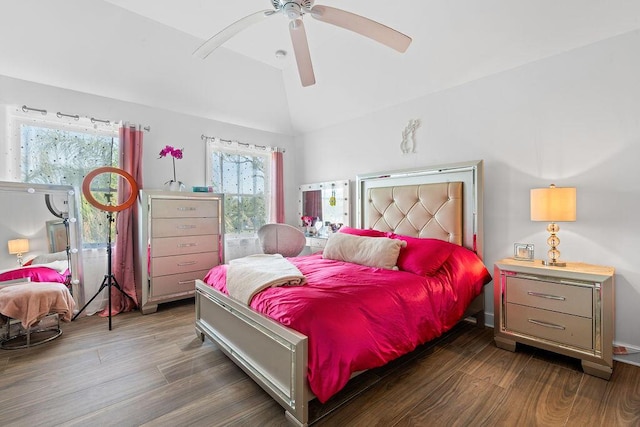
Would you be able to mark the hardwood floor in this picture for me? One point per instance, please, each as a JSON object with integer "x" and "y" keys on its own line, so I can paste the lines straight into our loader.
{"x": 152, "y": 370}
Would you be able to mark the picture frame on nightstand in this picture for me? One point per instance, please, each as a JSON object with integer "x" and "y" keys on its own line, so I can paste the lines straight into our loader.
{"x": 523, "y": 251}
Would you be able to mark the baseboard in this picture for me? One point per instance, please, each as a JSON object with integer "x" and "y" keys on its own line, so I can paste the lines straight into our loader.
{"x": 488, "y": 320}
{"x": 631, "y": 357}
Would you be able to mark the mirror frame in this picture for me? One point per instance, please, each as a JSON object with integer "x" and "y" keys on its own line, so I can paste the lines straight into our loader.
{"x": 346, "y": 201}
{"x": 72, "y": 201}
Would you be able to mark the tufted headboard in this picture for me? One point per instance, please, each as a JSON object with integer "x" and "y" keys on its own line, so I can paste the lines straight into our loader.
{"x": 442, "y": 202}
{"x": 427, "y": 210}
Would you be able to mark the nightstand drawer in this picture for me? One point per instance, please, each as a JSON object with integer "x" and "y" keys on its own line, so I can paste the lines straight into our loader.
{"x": 558, "y": 327}
{"x": 563, "y": 298}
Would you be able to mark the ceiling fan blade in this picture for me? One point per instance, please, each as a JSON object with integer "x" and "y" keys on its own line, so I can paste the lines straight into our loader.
{"x": 363, "y": 26}
{"x": 219, "y": 39}
{"x": 301, "y": 50}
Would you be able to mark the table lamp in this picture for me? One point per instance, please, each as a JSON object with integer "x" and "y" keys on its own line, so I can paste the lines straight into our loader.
{"x": 18, "y": 247}
{"x": 553, "y": 204}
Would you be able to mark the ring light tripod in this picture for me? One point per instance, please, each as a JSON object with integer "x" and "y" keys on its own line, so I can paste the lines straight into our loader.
{"x": 109, "y": 280}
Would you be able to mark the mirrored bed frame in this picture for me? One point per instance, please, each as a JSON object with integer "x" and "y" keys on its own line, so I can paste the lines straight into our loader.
{"x": 275, "y": 356}
{"x": 46, "y": 215}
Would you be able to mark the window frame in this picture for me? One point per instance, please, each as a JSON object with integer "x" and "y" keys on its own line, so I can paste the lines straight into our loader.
{"x": 13, "y": 146}
{"x": 214, "y": 145}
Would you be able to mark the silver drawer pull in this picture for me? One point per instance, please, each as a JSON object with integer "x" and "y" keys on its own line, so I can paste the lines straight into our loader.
{"x": 187, "y": 245}
{"x": 182, "y": 264}
{"x": 185, "y": 227}
{"x": 187, "y": 209}
{"x": 547, "y": 296}
{"x": 185, "y": 282}
{"x": 546, "y": 324}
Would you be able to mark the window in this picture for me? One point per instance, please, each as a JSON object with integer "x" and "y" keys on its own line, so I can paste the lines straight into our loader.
{"x": 242, "y": 175}
{"x": 49, "y": 151}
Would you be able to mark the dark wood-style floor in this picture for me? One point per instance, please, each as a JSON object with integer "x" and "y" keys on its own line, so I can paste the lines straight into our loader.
{"x": 153, "y": 370}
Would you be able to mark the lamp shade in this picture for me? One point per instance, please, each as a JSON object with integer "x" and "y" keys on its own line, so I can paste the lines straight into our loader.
{"x": 553, "y": 204}
{"x": 18, "y": 246}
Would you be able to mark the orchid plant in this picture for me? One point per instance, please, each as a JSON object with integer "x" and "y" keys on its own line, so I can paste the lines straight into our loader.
{"x": 176, "y": 153}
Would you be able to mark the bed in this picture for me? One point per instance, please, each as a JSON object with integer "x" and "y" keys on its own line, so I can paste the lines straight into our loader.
{"x": 441, "y": 204}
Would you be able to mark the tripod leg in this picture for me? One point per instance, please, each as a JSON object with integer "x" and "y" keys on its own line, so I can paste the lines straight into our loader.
{"x": 117, "y": 286}
{"x": 102, "y": 286}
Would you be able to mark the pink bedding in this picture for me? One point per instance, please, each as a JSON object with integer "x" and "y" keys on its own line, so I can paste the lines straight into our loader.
{"x": 358, "y": 318}
{"x": 35, "y": 274}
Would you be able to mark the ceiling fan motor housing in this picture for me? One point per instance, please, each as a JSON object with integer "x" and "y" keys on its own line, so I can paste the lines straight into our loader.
{"x": 292, "y": 9}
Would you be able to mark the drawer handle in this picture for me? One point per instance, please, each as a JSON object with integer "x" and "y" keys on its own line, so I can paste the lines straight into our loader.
{"x": 187, "y": 209}
{"x": 185, "y": 282}
{"x": 547, "y": 325}
{"x": 182, "y": 264}
{"x": 547, "y": 296}
{"x": 187, "y": 245}
{"x": 185, "y": 227}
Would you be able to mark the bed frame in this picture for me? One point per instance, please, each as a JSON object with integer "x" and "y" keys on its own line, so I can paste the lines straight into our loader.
{"x": 407, "y": 202}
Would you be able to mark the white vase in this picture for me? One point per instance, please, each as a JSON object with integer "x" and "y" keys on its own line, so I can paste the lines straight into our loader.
{"x": 175, "y": 185}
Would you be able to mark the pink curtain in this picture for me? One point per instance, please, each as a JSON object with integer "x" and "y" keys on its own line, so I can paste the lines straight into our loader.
{"x": 277, "y": 187}
{"x": 122, "y": 255}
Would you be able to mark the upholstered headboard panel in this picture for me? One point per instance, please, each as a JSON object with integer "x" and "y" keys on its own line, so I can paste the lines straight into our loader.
{"x": 427, "y": 210}
{"x": 442, "y": 201}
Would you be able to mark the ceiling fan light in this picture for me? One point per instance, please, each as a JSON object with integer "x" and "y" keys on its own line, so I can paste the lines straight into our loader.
{"x": 292, "y": 10}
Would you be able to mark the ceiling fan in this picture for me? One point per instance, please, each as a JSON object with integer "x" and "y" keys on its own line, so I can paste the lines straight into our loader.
{"x": 295, "y": 11}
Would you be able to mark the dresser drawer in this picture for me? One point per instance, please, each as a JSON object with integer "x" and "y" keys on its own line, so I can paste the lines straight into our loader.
{"x": 549, "y": 325}
{"x": 569, "y": 299}
{"x": 173, "y": 227}
{"x": 316, "y": 243}
{"x": 167, "y": 246}
{"x": 184, "y": 208}
{"x": 162, "y": 266}
{"x": 175, "y": 284}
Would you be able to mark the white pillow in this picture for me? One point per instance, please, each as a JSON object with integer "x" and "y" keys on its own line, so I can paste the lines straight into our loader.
{"x": 380, "y": 252}
{"x": 47, "y": 258}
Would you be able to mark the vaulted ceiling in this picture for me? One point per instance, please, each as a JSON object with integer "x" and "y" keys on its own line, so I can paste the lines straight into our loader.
{"x": 141, "y": 51}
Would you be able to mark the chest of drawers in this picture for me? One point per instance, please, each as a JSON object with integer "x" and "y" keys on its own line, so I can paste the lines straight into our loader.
{"x": 180, "y": 238}
{"x": 568, "y": 310}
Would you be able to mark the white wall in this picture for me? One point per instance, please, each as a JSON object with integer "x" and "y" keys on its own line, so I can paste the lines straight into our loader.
{"x": 571, "y": 119}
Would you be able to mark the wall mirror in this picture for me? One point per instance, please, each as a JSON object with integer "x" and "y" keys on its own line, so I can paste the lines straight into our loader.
{"x": 327, "y": 204}
{"x": 45, "y": 217}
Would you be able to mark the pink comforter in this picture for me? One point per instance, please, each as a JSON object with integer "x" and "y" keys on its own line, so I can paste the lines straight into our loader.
{"x": 358, "y": 318}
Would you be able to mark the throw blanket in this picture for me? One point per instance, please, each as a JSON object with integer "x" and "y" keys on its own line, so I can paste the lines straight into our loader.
{"x": 249, "y": 275}
{"x": 31, "y": 302}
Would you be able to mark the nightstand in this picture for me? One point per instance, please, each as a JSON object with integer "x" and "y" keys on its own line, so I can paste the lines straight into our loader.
{"x": 567, "y": 310}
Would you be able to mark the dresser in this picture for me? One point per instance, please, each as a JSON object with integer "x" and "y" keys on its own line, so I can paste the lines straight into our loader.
{"x": 179, "y": 239}
{"x": 567, "y": 310}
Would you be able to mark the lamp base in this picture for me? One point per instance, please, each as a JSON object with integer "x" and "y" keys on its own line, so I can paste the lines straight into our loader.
{"x": 550, "y": 263}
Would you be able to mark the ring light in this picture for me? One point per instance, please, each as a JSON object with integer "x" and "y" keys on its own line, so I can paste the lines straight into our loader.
{"x": 86, "y": 189}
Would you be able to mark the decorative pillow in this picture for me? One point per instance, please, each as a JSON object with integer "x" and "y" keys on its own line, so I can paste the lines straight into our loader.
{"x": 423, "y": 256}
{"x": 380, "y": 252}
{"x": 47, "y": 258}
{"x": 33, "y": 274}
{"x": 362, "y": 232}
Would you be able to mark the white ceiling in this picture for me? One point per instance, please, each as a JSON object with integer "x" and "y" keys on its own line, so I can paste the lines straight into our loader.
{"x": 453, "y": 42}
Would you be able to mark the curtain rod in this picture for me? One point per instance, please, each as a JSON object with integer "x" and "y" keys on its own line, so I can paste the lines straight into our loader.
{"x": 72, "y": 116}
{"x": 244, "y": 144}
